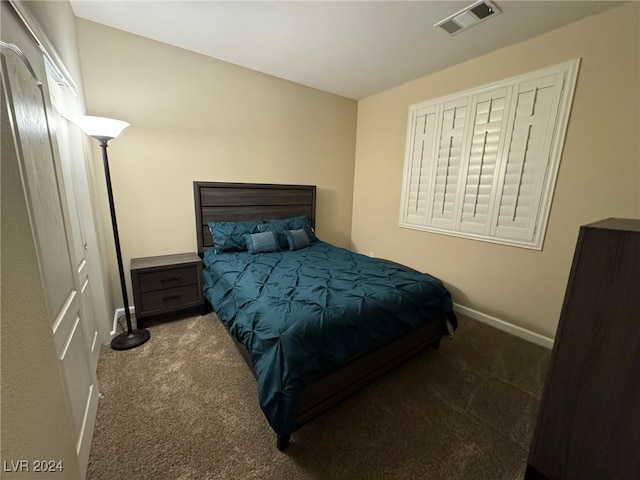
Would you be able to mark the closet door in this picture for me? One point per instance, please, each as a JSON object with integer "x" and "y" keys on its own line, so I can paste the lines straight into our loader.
{"x": 85, "y": 253}
{"x": 27, "y": 96}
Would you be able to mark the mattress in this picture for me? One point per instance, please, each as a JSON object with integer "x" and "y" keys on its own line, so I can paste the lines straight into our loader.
{"x": 301, "y": 314}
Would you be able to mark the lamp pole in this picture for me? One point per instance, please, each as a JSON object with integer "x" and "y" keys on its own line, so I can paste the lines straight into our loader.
{"x": 130, "y": 338}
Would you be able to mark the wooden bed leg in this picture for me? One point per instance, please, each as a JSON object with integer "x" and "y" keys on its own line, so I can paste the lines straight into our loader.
{"x": 283, "y": 442}
{"x": 436, "y": 346}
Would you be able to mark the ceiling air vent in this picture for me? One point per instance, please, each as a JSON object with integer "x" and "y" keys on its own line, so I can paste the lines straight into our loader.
{"x": 468, "y": 17}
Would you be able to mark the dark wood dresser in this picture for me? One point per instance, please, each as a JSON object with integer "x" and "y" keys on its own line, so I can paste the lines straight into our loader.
{"x": 588, "y": 424}
{"x": 166, "y": 283}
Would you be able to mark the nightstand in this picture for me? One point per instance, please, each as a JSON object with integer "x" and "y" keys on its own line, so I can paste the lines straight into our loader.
{"x": 167, "y": 283}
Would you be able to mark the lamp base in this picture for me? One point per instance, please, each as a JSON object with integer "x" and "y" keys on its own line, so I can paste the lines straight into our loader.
{"x": 128, "y": 340}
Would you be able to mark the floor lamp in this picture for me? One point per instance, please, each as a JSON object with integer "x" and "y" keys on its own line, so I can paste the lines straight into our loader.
{"x": 103, "y": 130}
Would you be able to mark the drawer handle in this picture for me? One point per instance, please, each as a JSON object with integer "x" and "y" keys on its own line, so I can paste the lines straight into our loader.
{"x": 172, "y": 297}
{"x": 172, "y": 279}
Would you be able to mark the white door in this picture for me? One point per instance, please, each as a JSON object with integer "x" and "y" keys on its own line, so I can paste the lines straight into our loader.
{"x": 85, "y": 252}
{"x": 27, "y": 95}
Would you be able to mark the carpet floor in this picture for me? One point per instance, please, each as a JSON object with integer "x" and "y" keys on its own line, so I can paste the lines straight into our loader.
{"x": 184, "y": 406}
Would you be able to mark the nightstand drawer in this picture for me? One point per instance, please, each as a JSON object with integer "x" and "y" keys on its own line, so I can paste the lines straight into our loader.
{"x": 168, "y": 279}
{"x": 170, "y": 298}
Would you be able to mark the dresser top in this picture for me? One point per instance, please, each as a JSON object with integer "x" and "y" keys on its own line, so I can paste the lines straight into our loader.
{"x": 627, "y": 224}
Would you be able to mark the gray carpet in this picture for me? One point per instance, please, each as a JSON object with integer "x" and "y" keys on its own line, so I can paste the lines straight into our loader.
{"x": 184, "y": 406}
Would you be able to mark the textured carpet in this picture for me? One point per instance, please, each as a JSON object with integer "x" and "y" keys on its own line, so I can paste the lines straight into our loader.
{"x": 184, "y": 406}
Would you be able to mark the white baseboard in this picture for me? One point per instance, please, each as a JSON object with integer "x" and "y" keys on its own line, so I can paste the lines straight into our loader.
{"x": 119, "y": 313}
{"x": 505, "y": 326}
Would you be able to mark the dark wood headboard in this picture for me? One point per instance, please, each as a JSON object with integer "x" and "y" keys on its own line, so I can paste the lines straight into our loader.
{"x": 223, "y": 201}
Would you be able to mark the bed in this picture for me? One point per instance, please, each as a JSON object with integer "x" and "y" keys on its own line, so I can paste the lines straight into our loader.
{"x": 314, "y": 322}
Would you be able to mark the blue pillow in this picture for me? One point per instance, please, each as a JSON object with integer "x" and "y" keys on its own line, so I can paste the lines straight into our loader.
{"x": 263, "y": 242}
{"x": 297, "y": 239}
{"x": 229, "y": 236}
{"x": 280, "y": 226}
{"x": 296, "y": 223}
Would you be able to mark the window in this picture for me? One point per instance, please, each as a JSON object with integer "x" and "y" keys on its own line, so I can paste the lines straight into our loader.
{"x": 482, "y": 164}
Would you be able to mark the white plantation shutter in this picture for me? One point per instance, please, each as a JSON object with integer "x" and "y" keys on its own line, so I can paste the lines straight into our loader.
{"x": 481, "y": 177}
{"x": 419, "y": 165}
{"x": 448, "y": 163}
{"x": 527, "y": 157}
{"x": 482, "y": 164}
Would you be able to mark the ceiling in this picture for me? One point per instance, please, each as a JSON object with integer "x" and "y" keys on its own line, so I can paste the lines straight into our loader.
{"x": 349, "y": 48}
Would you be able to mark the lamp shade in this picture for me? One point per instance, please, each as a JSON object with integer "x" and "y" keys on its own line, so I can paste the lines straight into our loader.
{"x": 100, "y": 127}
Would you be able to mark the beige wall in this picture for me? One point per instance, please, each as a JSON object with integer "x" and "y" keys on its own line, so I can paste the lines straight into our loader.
{"x": 599, "y": 173}
{"x": 197, "y": 118}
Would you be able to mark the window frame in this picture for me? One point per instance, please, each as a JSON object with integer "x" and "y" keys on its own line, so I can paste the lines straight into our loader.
{"x": 552, "y": 134}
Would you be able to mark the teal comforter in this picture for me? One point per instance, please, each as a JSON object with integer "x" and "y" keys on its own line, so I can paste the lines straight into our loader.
{"x": 302, "y": 314}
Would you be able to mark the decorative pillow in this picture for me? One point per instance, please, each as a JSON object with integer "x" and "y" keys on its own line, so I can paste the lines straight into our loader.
{"x": 263, "y": 242}
{"x": 297, "y": 239}
{"x": 296, "y": 223}
{"x": 229, "y": 236}
{"x": 280, "y": 226}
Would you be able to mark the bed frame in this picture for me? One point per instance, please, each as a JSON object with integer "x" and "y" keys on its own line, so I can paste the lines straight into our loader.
{"x": 250, "y": 201}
